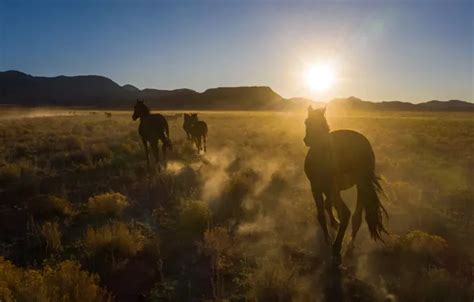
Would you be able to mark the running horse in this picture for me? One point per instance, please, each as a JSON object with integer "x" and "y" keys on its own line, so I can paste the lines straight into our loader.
{"x": 152, "y": 128}
{"x": 196, "y": 131}
{"x": 336, "y": 161}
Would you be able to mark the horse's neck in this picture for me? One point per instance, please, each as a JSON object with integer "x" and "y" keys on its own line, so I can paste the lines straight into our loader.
{"x": 145, "y": 116}
{"x": 323, "y": 142}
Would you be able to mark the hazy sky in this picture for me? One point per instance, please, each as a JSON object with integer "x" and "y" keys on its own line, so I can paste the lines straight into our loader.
{"x": 383, "y": 50}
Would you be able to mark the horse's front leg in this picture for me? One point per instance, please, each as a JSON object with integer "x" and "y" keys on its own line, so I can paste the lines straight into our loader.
{"x": 163, "y": 148}
{"x": 344, "y": 215}
{"x": 318, "y": 199}
{"x": 145, "y": 144}
{"x": 196, "y": 143}
{"x": 156, "y": 152}
{"x": 328, "y": 205}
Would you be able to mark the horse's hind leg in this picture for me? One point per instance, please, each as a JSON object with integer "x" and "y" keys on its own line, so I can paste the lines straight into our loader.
{"x": 196, "y": 143}
{"x": 200, "y": 143}
{"x": 344, "y": 215}
{"x": 356, "y": 218}
{"x": 205, "y": 143}
{"x": 318, "y": 199}
{"x": 156, "y": 152}
{"x": 145, "y": 144}
{"x": 163, "y": 148}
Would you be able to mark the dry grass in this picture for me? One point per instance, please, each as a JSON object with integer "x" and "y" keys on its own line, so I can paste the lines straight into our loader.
{"x": 246, "y": 203}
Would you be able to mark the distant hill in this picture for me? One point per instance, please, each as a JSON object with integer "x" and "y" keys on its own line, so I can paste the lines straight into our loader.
{"x": 356, "y": 104}
{"x": 18, "y": 88}
{"x": 22, "y": 89}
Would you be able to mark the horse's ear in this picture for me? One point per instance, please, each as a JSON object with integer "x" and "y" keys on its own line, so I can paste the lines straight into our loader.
{"x": 310, "y": 108}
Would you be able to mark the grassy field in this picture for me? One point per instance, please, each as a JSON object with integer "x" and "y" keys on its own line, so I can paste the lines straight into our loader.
{"x": 81, "y": 217}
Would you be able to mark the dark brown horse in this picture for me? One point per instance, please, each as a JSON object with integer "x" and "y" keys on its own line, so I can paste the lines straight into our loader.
{"x": 153, "y": 127}
{"x": 196, "y": 130}
{"x": 336, "y": 161}
{"x": 187, "y": 124}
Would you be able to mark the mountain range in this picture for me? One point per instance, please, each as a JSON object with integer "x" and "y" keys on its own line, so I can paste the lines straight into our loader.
{"x": 17, "y": 88}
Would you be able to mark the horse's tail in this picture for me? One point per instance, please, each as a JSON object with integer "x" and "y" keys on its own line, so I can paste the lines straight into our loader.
{"x": 167, "y": 129}
{"x": 167, "y": 139}
{"x": 205, "y": 129}
{"x": 370, "y": 191}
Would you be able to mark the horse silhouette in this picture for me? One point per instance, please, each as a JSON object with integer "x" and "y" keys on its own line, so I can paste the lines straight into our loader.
{"x": 196, "y": 131}
{"x": 336, "y": 161}
{"x": 153, "y": 127}
{"x": 187, "y": 124}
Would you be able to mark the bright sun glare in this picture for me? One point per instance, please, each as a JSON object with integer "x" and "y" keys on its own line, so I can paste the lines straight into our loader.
{"x": 320, "y": 77}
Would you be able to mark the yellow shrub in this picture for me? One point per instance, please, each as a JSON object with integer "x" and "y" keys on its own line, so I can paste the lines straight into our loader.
{"x": 116, "y": 239}
{"x": 62, "y": 282}
{"x": 49, "y": 206}
{"x": 51, "y": 235}
{"x": 110, "y": 204}
{"x": 67, "y": 282}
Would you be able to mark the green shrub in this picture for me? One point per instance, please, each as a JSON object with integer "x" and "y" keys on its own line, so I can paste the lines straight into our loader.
{"x": 107, "y": 204}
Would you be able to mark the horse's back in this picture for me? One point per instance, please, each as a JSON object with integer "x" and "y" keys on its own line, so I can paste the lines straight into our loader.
{"x": 348, "y": 157}
{"x": 152, "y": 126}
{"x": 199, "y": 128}
{"x": 351, "y": 148}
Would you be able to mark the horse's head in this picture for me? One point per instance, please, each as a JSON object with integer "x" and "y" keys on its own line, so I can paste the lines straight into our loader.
{"x": 194, "y": 118}
{"x": 140, "y": 110}
{"x": 316, "y": 125}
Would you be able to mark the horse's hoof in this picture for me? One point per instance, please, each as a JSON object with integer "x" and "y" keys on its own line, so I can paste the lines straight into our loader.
{"x": 336, "y": 259}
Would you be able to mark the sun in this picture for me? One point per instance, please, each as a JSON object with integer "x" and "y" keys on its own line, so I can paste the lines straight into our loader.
{"x": 320, "y": 77}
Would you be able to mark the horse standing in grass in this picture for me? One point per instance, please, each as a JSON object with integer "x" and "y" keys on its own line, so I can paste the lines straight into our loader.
{"x": 153, "y": 127}
{"x": 336, "y": 161}
{"x": 196, "y": 130}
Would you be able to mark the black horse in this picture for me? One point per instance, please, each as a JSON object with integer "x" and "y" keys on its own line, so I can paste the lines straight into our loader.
{"x": 336, "y": 161}
{"x": 153, "y": 127}
{"x": 187, "y": 124}
{"x": 196, "y": 130}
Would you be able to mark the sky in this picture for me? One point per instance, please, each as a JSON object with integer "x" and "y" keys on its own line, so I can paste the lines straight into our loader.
{"x": 379, "y": 50}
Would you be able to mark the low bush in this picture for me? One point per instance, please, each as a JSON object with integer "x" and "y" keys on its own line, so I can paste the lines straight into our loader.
{"x": 416, "y": 266}
{"x": 64, "y": 281}
{"x": 51, "y": 236}
{"x": 193, "y": 219}
{"x": 108, "y": 204}
{"x": 50, "y": 206}
{"x": 112, "y": 242}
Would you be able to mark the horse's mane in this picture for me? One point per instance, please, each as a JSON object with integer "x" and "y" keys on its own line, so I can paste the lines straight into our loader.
{"x": 145, "y": 109}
